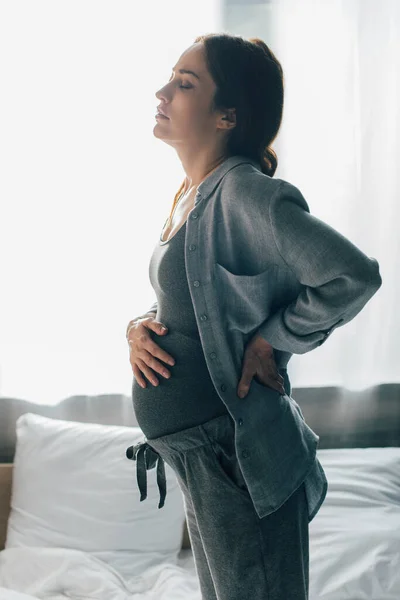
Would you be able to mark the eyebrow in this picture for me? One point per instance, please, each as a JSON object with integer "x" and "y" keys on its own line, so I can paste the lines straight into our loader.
{"x": 183, "y": 71}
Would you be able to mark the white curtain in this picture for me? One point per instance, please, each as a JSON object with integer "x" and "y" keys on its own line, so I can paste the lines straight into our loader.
{"x": 340, "y": 145}
{"x": 86, "y": 187}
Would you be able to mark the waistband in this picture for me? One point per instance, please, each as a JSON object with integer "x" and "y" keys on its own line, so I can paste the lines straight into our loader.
{"x": 147, "y": 455}
{"x": 147, "y": 452}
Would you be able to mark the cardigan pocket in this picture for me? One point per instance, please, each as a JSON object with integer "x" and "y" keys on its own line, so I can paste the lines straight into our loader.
{"x": 245, "y": 300}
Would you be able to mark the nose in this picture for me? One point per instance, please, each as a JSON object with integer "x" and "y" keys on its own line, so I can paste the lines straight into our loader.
{"x": 160, "y": 94}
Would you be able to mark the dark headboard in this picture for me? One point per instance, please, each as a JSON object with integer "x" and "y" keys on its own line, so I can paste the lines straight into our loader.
{"x": 342, "y": 418}
{"x": 352, "y": 419}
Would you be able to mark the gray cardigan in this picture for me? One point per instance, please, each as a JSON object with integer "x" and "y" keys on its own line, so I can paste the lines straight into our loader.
{"x": 257, "y": 261}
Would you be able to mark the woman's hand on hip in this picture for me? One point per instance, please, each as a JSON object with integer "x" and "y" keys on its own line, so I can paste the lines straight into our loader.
{"x": 259, "y": 362}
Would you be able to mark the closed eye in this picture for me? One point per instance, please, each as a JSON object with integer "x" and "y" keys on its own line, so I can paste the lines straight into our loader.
{"x": 183, "y": 87}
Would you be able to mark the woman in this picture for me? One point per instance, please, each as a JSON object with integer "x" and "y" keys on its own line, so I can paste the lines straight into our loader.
{"x": 238, "y": 249}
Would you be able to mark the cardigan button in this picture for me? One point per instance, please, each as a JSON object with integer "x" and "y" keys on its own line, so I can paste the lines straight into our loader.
{"x": 192, "y": 247}
{"x": 245, "y": 454}
{"x": 223, "y": 387}
{"x": 213, "y": 355}
{"x": 194, "y": 215}
{"x": 196, "y": 283}
{"x": 240, "y": 421}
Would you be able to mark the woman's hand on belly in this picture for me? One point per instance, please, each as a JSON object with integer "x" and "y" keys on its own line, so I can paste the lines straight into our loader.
{"x": 144, "y": 352}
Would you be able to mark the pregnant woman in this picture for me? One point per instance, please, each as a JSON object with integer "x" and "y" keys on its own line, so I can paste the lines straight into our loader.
{"x": 244, "y": 277}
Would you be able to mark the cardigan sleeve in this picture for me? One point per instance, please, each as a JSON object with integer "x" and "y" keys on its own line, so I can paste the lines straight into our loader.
{"x": 153, "y": 307}
{"x": 152, "y": 310}
{"x": 338, "y": 279}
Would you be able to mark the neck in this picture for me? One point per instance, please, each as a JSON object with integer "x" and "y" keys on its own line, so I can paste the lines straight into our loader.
{"x": 193, "y": 180}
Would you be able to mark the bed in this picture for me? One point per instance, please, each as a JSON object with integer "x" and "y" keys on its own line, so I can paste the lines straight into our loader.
{"x": 72, "y": 525}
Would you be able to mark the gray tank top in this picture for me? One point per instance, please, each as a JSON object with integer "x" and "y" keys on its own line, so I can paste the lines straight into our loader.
{"x": 188, "y": 398}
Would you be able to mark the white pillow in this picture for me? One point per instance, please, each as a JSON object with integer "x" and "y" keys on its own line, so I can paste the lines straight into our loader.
{"x": 355, "y": 537}
{"x": 74, "y": 487}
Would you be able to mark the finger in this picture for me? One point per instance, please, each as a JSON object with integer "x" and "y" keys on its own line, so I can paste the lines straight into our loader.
{"x": 138, "y": 376}
{"x": 155, "y": 350}
{"x": 148, "y": 372}
{"x": 278, "y": 379}
{"x": 153, "y": 363}
{"x": 278, "y": 386}
{"x": 275, "y": 375}
{"x": 244, "y": 384}
{"x": 281, "y": 381}
{"x": 273, "y": 383}
{"x": 158, "y": 327}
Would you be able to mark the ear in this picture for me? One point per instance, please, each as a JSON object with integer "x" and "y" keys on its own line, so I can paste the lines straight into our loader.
{"x": 229, "y": 118}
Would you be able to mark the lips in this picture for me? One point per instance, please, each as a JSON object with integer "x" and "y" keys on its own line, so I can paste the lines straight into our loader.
{"x": 162, "y": 112}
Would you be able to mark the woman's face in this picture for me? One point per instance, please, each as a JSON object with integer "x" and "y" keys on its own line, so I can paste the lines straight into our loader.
{"x": 186, "y": 100}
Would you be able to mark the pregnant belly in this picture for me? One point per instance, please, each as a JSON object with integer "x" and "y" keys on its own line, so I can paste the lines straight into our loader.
{"x": 186, "y": 399}
{"x": 188, "y": 355}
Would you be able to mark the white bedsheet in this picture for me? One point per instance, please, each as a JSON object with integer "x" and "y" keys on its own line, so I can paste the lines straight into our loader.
{"x": 63, "y": 574}
{"x": 354, "y": 548}
{"x": 356, "y": 558}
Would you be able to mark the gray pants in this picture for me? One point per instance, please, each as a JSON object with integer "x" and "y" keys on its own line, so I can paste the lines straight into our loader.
{"x": 237, "y": 555}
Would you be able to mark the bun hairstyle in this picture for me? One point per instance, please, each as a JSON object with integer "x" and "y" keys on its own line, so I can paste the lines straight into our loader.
{"x": 249, "y": 78}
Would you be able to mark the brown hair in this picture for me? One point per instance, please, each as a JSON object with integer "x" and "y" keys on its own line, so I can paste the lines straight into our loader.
{"x": 248, "y": 77}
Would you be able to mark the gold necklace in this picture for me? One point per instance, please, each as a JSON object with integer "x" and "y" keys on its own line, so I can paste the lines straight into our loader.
{"x": 176, "y": 202}
{"x": 181, "y": 195}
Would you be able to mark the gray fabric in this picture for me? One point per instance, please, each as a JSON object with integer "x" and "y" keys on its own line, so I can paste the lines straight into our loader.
{"x": 237, "y": 555}
{"x": 188, "y": 397}
{"x": 257, "y": 261}
{"x": 315, "y": 482}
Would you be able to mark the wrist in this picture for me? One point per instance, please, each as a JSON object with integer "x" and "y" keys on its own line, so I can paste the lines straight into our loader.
{"x": 261, "y": 345}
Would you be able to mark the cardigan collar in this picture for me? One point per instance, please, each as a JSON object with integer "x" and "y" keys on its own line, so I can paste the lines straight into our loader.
{"x": 207, "y": 186}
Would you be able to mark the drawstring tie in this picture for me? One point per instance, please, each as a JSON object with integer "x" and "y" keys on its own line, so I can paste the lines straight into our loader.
{"x": 147, "y": 458}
